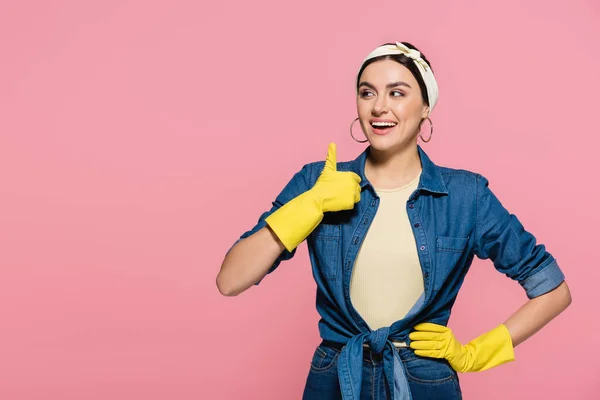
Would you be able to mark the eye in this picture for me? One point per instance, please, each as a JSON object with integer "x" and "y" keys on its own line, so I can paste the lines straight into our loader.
{"x": 365, "y": 93}
{"x": 397, "y": 93}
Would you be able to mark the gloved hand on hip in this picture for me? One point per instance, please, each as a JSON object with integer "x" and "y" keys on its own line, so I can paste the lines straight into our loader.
{"x": 486, "y": 351}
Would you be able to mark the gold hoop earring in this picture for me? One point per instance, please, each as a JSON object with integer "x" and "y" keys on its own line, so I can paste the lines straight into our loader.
{"x": 430, "y": 130}
{"x": 351, "y": 134}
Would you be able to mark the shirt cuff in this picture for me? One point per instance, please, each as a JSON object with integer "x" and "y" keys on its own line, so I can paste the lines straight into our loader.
{"x": 543, "y": 281}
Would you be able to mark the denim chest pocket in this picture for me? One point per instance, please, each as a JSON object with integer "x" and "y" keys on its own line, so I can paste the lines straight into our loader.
{"x": 451, "y": 244}
{"x": 448, "y": 251}
{"x": 326, "y": 240}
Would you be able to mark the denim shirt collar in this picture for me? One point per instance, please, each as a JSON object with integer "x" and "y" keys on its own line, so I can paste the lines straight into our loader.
{"x": 430, "y": 176}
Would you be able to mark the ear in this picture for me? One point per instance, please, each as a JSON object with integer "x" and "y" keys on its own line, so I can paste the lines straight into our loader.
{"x": 425, "y": 113}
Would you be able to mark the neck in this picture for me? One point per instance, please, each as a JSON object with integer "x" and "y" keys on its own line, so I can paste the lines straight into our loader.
{"x": 392, "y": 169}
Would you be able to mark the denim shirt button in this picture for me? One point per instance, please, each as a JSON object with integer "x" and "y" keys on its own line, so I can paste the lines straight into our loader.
{"x": 422, "y": 247}
{"x": 417, "y": 225}
{"x": 411, "y": 205}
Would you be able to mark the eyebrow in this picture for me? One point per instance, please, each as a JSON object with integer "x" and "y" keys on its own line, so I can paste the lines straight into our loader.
{"x": 388, "y": 86}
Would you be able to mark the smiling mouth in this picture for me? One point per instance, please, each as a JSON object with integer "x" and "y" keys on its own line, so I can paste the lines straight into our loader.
{"x": 383, "y": 125}
{"x": 381, "y": 128}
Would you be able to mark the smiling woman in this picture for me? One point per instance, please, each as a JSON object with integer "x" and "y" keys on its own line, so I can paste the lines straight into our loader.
{"x": 393, "y": 96}
{"x": 391, "y": 236}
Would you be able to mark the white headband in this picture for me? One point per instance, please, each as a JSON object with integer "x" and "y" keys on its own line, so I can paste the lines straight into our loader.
{"x": 415, "y": 55}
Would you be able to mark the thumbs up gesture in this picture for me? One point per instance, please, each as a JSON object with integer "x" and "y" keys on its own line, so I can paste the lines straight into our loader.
{"x": 337, "y": 190}
{"x": 334, "y": 191}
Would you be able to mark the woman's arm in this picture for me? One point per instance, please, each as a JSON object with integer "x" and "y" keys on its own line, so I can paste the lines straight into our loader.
{"x": 500, "y": 237}
{"x": 537, "y": 312}
{"x": 248, "y": 261}
{"x": 295, "y": 214}
{"x": 494, "y": 347}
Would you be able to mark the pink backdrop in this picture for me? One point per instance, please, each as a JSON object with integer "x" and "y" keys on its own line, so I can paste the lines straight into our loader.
{"x": 139, "y": 139}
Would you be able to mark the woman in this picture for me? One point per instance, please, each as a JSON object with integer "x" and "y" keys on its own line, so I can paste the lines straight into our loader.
{"x": 391, "y": 236}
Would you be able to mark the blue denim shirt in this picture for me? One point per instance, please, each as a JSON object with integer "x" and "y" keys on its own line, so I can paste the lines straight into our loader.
{"x": 454, "y": 217}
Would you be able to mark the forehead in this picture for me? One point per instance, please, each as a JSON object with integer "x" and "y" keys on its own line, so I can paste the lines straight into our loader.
{"x": 382, "y": 72}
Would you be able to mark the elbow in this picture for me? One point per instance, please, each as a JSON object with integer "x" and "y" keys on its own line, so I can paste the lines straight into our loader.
{"x": 225, "y": 288}
{"x": 567, "y": 295}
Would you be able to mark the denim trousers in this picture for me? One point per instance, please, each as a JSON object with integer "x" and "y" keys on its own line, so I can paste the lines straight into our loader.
{"x": 428, "y": 378}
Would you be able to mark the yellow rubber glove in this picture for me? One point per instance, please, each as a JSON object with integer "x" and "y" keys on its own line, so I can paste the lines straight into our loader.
{"x": 486, "y": 351}
{"x": 334, "y": 191}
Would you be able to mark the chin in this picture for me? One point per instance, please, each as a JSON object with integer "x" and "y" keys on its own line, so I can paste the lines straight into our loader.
{"x": 384, "y": 143}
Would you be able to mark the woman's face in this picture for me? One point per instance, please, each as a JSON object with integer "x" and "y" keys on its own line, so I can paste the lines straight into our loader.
{"x": 389, "y": 103}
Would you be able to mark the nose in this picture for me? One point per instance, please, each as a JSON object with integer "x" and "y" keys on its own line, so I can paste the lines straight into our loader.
{"x": 380, "y": 106}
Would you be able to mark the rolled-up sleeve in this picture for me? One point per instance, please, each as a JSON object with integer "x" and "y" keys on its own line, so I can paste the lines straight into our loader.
{"x": 296, "y": 186}
{"x": 500, "y": 237}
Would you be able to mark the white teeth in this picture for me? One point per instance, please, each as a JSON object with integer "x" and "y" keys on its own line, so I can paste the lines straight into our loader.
{"x": 381, "y": 124}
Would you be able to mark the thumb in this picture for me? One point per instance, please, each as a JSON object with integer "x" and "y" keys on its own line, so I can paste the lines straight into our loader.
{"x": 331, "y": 161}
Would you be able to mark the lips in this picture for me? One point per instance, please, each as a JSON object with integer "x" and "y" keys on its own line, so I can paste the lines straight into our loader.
{"x": 382, "y": 127}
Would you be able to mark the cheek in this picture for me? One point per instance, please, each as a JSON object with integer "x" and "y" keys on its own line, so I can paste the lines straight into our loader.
{"x": 362, "y": 107}
{"x": 408, "y": 112}
{"x": 402, "y": 114}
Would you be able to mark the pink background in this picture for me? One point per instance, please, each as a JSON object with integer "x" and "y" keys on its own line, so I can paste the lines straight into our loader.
{"x": 139, "y": 139}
